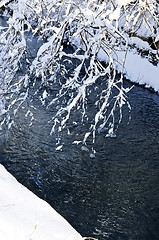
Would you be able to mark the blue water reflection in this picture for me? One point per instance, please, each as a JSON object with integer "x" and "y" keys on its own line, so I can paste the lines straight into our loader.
{"x": 112, "y": 196}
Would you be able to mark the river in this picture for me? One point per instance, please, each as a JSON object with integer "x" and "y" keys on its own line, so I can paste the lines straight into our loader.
{"x": 113, "y": 196}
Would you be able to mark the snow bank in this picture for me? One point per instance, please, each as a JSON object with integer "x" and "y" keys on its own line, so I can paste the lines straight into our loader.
{"x": 24, "y": 216}
{"x": 137, "y": 69}
{"x": 141, "y": 71}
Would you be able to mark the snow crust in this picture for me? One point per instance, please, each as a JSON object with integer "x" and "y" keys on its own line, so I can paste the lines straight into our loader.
{"x": 141, "y": 71}
{"x": 24, "y": 216}
{"x": 137, "y": 69}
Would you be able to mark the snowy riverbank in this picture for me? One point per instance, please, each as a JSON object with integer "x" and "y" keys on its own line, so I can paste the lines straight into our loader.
{"x": 138, "y": 69}
{"x": 24, "y": 216}
{"x": 90, "y": 28}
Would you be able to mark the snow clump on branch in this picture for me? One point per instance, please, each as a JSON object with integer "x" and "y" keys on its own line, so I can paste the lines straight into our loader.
{"x": 95, "y": 30}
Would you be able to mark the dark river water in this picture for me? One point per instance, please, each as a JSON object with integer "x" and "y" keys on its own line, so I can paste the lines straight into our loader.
{"x": 113, "y": 196}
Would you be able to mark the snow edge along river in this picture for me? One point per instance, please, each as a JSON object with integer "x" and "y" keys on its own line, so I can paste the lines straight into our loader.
{"x": 24, "y": 216}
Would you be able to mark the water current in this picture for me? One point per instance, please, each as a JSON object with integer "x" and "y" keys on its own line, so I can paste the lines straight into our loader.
{"x": 113, "y": 196}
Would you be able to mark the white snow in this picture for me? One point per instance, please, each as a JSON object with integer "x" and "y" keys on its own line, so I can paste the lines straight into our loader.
{"x": 140, "y": 70}
{"x": 115, "y": 15}
{"x": 123, "y": 2}
{"x": 24, "y": 216}
{"x": 157, "y": 36}
{"x": 3, "y": 2}
{"x": 137, "y": 69}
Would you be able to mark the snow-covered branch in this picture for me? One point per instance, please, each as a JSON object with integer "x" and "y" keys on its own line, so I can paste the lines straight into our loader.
{"x": 95, "y": 32}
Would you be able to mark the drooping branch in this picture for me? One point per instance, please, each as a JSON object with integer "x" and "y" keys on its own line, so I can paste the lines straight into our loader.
{"x": 96, "y": 30}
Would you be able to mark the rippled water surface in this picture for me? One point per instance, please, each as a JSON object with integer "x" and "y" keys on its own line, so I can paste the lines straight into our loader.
{"x": 112, "y": 196}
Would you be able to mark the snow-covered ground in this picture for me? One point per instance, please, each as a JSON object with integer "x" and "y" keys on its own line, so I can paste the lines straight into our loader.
{"x": 138, "y": 69}
{"x": 141, "y": 71}
{"x": 24, "y": 216}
